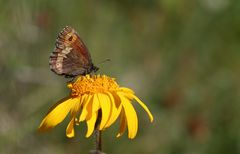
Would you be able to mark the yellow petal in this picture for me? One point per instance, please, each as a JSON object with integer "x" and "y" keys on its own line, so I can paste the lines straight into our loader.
{"x": 105, "y": 107}
{"x": 123, "y": 124}
{"x": 70, "y": 128}
{"x": 95, "y": 104}
{"x": 84, "y": 113}
{"x": 91, "y": 124}
{"x": 115, "y": 111}
{"x": 57, "y": 113}
{"x": 117, "y": 99}
{"x": 131, "y": 116}
{"x": 144, "y": 107}
{"x": 127, "y": 90}
{"x": 76, "y": 108}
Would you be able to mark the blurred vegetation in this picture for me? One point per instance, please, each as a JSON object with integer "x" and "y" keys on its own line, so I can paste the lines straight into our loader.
{"x": 181, "y": 57}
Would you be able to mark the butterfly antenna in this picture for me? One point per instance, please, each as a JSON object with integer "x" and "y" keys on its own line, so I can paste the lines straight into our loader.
{"x": 106, "y": 60}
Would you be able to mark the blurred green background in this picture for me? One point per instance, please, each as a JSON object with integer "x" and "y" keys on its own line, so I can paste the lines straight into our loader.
{"x": 181, "y": 58}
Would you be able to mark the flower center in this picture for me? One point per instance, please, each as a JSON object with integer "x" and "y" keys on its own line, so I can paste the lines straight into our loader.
{"x": 92, "y": 84}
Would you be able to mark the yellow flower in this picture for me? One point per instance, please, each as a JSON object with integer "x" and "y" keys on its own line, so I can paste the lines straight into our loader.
{"x": 99, "y": 101}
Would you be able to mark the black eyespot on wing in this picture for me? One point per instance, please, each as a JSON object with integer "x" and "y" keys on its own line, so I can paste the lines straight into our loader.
{"x": 70, "y": 38}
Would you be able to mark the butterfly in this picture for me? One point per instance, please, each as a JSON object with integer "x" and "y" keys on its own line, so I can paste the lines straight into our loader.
{"x": 70, "y": 57}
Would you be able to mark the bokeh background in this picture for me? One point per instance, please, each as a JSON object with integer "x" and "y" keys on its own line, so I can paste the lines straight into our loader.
{"x": 181, "y": 58}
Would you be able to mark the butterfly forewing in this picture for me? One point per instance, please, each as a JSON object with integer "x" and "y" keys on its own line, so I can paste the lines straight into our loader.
{"x": 70, "y": 56}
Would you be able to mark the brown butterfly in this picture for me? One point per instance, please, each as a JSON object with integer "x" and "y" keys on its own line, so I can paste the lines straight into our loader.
{"x": 70, "y": 56}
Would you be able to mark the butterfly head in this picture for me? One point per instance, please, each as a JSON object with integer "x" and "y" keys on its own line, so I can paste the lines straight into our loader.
{"x": 94, "y": 68}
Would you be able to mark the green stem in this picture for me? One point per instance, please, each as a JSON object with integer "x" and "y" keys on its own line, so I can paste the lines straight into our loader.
{"x": 98, "y": 134}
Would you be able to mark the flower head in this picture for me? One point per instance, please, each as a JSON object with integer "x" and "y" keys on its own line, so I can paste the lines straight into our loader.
{"x": 99, "y": 101}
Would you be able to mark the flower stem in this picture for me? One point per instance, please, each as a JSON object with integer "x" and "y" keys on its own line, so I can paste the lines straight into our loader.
{"x": 98, "y": 134}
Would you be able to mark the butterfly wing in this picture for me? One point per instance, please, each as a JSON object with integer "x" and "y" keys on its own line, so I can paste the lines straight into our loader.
{"x": 70, "y": 56}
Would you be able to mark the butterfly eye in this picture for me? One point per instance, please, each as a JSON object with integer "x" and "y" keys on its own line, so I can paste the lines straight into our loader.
{"x": 70, "y": 38}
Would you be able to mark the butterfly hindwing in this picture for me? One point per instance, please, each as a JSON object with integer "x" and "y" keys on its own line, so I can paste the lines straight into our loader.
{"x": 70, "y": 56}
